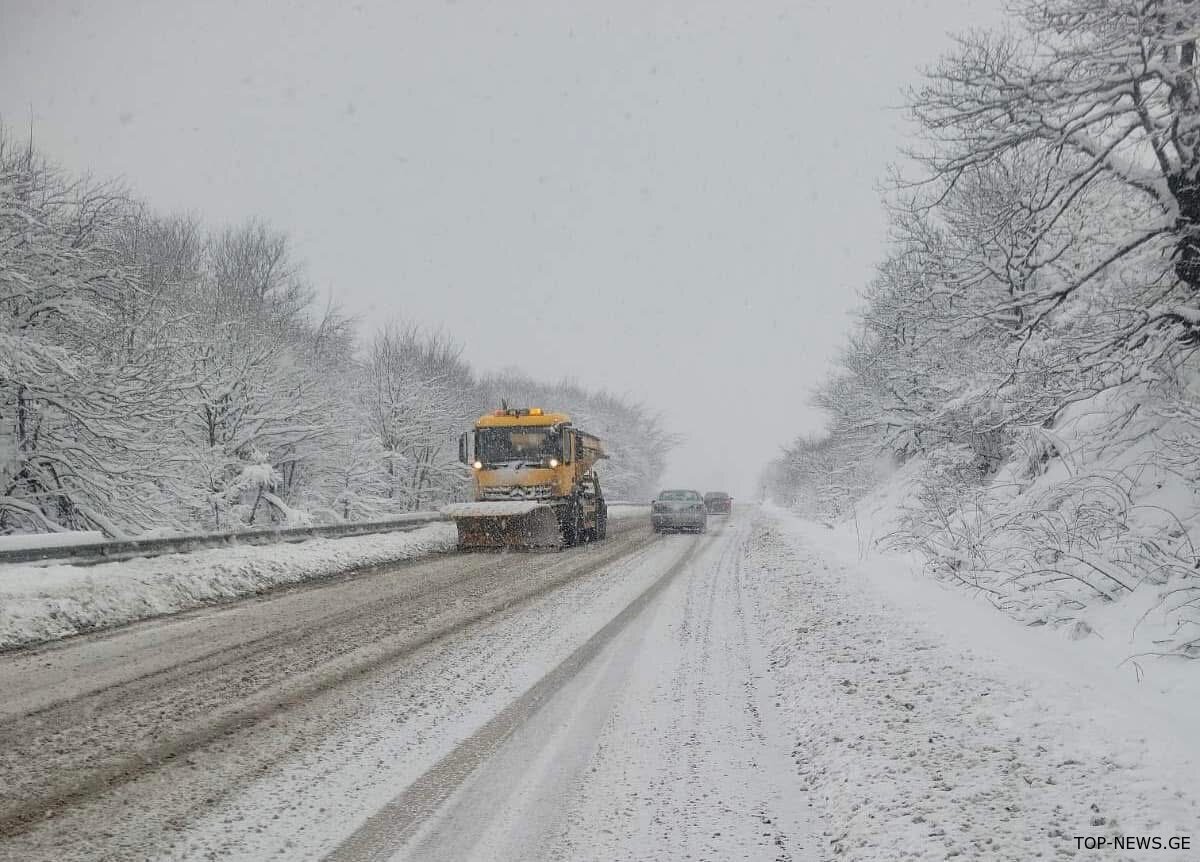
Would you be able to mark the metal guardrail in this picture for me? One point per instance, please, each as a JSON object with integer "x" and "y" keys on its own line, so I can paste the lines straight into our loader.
{"x": 91, "y": 553}
{"x": 118, "y": 549}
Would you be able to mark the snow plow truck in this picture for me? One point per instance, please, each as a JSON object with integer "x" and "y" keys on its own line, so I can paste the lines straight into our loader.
{"x": 534, "y": 482}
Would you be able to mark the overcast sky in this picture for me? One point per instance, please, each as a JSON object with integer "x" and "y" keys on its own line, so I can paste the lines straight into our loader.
{"x": 674, "y": 201}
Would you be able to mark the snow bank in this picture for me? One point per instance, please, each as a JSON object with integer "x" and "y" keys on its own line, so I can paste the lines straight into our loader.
{"x": 41, "y": 603}
{"x": 1095, "y": 519}
{"x": 1114, "y": 644}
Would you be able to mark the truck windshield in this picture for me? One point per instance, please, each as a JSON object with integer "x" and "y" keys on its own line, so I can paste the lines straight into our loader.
{"x": 504, "y": 445}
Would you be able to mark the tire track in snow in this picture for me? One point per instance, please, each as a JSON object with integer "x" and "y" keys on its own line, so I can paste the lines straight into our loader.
{"x": 393, "y": 825}
{"x": 86, "y": 746}
{"x": 692, "y": 763}
{"x": 395, "y": 725}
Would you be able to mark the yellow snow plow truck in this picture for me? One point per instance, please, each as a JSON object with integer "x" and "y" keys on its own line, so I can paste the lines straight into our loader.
{"x": 535, "y": 484}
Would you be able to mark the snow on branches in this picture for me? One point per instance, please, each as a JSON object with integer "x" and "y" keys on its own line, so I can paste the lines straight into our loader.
{"x": 1028, "y": 347}
{"x": 78, "y": 403}
{"x": 159, "y": 376}
{"x": 1103, "y": 95}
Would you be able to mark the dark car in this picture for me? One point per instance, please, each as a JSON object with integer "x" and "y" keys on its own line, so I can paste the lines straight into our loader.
{"x": 718, "y": 503}
{"x": 679, "y": 510}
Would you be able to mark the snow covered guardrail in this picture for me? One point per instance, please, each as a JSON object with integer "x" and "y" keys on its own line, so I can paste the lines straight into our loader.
{"x": 89, "y": 552}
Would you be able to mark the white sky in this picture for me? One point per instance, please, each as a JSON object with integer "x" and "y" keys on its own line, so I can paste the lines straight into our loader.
{"x": 674, "y": 201}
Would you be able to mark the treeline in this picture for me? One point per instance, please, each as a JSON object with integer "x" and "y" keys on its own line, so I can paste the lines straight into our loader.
{"x": 157, "y": 374}
{"x": 1026, "y": 352}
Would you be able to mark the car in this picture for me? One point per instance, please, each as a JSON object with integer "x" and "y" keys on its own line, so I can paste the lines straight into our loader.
{"x": 718, "y": 503}
{"x": 679, "y": 509}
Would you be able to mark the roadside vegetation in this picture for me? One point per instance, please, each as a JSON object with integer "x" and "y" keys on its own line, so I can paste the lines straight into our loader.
{"x": 1021, "y": 396}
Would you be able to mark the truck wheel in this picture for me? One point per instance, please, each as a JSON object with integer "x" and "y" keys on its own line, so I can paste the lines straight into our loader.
{"x": 601, "y": 520}
{"x": 573, "y": 525}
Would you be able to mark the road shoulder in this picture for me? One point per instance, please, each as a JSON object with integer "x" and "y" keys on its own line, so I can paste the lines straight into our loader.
{"x": 915, "y": 741}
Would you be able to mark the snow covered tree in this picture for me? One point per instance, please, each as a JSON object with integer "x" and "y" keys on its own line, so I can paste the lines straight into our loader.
{"x": 157, "y": 375}
{"x": 415, "y": 407}
{"x": 1030, "y": 344}
{"x": 1106, "y": 90}
{"x": 79, "y": 405}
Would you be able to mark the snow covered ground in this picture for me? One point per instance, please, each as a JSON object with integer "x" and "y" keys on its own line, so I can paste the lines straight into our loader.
{"x": 926, "y": 725}
{"x": 40, "y": 603}
{"x": 691, "y": 761}
{"x": 762, "y": 692}
{"x": 785, "y": 699}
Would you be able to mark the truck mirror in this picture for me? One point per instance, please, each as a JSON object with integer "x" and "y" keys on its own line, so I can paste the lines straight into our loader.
{"x": 464, "y": 456}
{"x": 567, "y": 453}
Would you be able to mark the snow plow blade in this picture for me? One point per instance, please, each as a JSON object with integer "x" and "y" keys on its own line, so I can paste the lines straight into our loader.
{"x": 505, "y": 525}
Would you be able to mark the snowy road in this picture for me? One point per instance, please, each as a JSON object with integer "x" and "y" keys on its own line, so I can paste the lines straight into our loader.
{"x": 161, "y": 720}
{"x": 737, "y": 695}
{"x": 280, "y": 725}
{"x": 657, "y": 749}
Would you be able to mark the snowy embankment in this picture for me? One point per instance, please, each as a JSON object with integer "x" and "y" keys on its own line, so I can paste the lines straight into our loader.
{"x": 928, "y": 726}
{"x": 42, "y": 603}
{"x": 1090, "y": 526}
{"x": 45, "y": 602}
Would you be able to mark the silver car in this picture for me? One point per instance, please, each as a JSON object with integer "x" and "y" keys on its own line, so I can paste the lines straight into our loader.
{"x": 679, "y": 510}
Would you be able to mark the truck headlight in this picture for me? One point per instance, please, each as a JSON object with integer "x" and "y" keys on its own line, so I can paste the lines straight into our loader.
{"x": 478, "y": 465}
{"x": 553, "y": 462}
